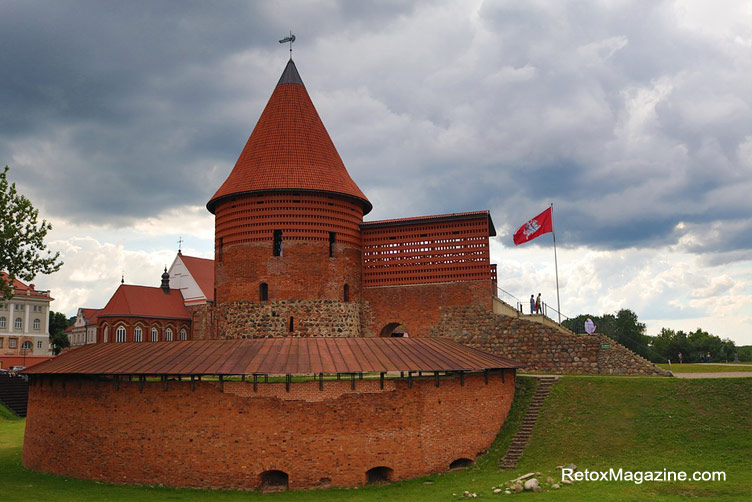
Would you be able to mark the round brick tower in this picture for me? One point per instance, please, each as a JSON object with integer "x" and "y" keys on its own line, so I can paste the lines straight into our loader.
{"x": 287, "y": 228}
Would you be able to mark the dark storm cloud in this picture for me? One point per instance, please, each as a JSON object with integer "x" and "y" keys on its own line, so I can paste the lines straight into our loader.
{"x": 630, "y": 123}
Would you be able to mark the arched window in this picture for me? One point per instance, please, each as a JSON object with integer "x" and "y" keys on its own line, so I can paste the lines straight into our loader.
{"x": 120, "y": 334}
{"x": 26, "y": 346}
{"x": 37, "y": 324}
{"x": 138, "y": 335}
{"x": 347, "y": 293}
{"x": 263, "y": 292}
{"x": 183, "y": 335}
{"x": 168, "y": 335}
{"x": 2, "y": 322}
{"x": 154, "y": 335}
{"x": 106, "y": 334}
{"x": 19, "y": 323}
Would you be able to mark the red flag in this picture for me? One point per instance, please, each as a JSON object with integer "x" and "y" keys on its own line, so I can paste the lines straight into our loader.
{"x": 539, "y": 225}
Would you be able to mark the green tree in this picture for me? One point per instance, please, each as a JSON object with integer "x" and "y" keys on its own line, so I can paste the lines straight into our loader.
{"x": 21, "y": 239}
{"x": 58, "y": 336}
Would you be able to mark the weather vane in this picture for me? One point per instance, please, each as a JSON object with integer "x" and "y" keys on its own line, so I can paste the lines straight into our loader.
{"x": 289, "y": 39}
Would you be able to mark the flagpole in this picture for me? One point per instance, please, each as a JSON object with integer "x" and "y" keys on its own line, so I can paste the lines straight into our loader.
{"x": 556, "y": 264}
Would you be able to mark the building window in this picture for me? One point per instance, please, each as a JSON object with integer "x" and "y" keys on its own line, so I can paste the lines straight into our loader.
{"x": 1, "y": 342}
{"x": 154, "y": 335}
{"x": 138, "y": 334}
{"x": 106, "y": 334}
{"x": 2, "y": 322}
{"x": 12, "y": 343}
{"x": 19, "y": 323}
{"x": 277, "y": 249}
{"x": 120, "y": 334}
{"x": 292, "y": 324}
{"x": 183, "y": 335}
{"x": 39, "y": 345}
{"x": 263, "y": 292}
{"x": 346, "y": 293}
{"x": 26, "y": 346}
{"x": 37, "y": 324}
{"x": 220, "y": 248}
{"x": 19, "y": 307}
{"x": 332, "y": 240}
{"x": 168, "y": 335}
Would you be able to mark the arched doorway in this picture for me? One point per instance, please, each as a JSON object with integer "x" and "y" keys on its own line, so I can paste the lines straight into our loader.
{"x": 461, "y": 463}
{"x": 394, "y": 330}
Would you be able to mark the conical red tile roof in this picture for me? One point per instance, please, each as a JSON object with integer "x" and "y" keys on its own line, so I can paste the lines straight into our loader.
{"x": 289, "y": 149}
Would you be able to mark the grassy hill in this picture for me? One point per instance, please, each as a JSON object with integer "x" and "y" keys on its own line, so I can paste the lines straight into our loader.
{"x": 596, "y": 422}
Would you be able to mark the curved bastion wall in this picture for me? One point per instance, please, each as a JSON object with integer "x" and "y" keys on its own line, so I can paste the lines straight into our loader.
{"x": 211, "y": 435}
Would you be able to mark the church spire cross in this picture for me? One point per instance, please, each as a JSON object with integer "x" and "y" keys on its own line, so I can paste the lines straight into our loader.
{"x": 290, "y": 39}
{"x": 180, "y": 245}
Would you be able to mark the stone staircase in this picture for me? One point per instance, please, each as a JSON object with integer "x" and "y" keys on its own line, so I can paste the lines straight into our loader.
{"x": 522, "y": 436}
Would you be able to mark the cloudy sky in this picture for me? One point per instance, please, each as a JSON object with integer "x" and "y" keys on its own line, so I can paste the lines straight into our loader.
{"x": 120, "y": 119}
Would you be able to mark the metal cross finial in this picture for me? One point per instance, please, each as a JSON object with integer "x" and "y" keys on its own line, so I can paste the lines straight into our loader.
{"x": 289, "y": 39}
{"x": 180, "y": 244}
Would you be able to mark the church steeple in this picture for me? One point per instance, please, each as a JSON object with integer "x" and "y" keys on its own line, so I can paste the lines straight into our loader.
{"x": 289, "y": 149}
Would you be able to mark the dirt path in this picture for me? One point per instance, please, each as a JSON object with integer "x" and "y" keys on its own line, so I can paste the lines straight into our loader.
{"x": 736, "y": 374}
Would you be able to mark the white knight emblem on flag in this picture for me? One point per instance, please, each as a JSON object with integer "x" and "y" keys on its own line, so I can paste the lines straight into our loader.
{"x": 531, "y": 227}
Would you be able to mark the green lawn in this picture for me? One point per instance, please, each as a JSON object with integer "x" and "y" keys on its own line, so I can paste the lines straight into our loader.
{"x": 595, "y": 422}
{"x": 707, "y": 368}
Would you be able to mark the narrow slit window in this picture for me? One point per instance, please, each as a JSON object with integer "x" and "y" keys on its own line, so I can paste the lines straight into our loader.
{"x": 346, "y": 293}
{"x": 277, "y": 251}
{"x": 292, "y": 324}
{"x": 263, "y": 292}
{"x": 332, "y": 240}
{"x": 220, "y": 246}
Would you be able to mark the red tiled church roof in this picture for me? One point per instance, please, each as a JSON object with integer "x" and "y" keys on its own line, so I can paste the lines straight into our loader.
{"x": 145, "y": 301}
{"x": 289, "y": 149}
{"x": 202, "y": 271}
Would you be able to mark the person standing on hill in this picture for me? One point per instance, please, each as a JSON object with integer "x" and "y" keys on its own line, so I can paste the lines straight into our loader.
{"x": 589, "y": 326}
{"x": 532, "y": 304}
{"x": 538, "y": 304}
{"x": 680, "y": 357}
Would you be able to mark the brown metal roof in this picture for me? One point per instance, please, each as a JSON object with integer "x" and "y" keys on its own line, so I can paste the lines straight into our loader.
{"x": 294, "y": 356}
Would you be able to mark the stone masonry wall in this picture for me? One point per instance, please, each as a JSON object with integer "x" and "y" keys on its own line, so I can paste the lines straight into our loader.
{"x": 309, "y": 318}
{"x": 215, "y": 438}
{"x": 541, "y": 348}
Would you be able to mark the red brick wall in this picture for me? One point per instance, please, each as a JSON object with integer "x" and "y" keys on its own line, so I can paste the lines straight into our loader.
{"x": 244, "y": 236}
{"x": 419, "y": 306}
{"x": 210, "y": 438}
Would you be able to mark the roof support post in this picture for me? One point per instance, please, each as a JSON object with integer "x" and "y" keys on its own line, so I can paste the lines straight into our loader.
{"x": 221, "y": 383}
{"x": 63, "y": 381}
{"x": 321, "y": 381}
{"x": 255, "y": 382}
{"x": 193, "y": 383}
{"x": 288, "y": 379}
{"x": 360, "y": 376}
{"x": 164, "y": 382}
{"x": 352, "y": 381}
{"x": 117, "y": 382}
{"x": 436, "y": 378}
{"x": 381, "y": 379}
{"x": 485, "y": 375}
{"x": 462, "y": 378}
{"x": 503, "y": 372}
{"x": 141, "y": 383}
{"x": 409, "y": 379}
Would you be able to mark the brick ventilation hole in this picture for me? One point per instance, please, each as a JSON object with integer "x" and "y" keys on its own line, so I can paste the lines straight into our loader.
{"x": 461, "y": 463}
{"x": 378, "y": 475}
{"x": 274, "y": 481}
